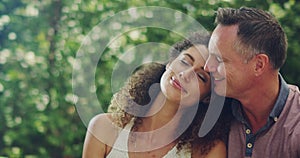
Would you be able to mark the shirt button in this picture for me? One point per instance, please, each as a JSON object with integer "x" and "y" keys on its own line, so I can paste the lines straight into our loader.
{"x": 248, "y": 131}
{"x": 275, "y": 119}
{"x": 249, "y": 145}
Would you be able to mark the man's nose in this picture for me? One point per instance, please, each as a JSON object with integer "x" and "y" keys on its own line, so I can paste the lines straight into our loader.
{"x": 210, "y": 65}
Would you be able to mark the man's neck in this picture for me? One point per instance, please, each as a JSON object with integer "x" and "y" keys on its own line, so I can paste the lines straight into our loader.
{"x": 259, "y": 102}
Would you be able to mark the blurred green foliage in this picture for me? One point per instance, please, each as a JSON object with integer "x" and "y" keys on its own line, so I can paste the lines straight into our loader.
{"x": 39, "y": 40}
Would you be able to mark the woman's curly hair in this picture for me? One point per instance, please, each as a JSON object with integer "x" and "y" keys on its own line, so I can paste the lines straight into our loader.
{"x": 144, "y": 85}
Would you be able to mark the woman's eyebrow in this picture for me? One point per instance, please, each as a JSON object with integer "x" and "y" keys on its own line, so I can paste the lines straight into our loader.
{"x": 191, "y": 57}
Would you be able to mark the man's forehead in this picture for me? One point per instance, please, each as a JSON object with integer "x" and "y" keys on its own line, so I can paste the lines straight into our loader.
{"x": 222, "y": 36}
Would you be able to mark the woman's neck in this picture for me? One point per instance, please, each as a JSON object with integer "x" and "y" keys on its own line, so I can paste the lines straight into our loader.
{"x": 164, "y": 126}
{"x": 160, "y": 113}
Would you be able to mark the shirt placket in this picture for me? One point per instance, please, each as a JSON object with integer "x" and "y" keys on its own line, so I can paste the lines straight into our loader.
{"x": 250, "y": 139}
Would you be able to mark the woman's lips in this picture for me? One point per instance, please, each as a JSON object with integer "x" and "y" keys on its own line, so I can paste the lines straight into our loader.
{"x": 177, "y": 84}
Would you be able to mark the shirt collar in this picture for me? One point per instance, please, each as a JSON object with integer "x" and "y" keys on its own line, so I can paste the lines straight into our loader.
{"x": 277, "y": 109}
{"x": 282, "y": 97}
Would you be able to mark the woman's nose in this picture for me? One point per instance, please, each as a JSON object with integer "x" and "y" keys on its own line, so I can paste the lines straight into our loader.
{"x": 187, "y": 75}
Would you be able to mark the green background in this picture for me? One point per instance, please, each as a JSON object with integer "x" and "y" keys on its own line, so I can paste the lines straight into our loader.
{"x": 39, "y": 40}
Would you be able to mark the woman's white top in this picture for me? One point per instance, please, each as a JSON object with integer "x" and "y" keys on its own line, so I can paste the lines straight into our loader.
{"x": 120, "y": 147}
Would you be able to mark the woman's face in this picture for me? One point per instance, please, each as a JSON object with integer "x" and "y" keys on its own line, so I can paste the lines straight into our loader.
{"x": 185, "y": 82}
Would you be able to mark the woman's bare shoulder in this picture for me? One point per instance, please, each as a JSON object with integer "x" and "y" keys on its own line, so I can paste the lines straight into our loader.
{"x": 100, "y": 137}
{"x": 100, "y": 119}
{"x": 102, "y": 125}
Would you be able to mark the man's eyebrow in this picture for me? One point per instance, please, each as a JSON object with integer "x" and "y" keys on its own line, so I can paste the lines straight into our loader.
{"x": 191, "y": 57}
{"x": 216, "y": 55}
{"x": 212, "y": 53}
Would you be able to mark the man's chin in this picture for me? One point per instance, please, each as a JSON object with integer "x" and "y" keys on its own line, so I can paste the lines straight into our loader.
{"x": 220, "y": 91}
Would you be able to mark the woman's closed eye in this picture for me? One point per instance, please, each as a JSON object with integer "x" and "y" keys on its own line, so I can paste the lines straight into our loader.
{"x": 200, "y": 75}
{"x": 185, "y": 62}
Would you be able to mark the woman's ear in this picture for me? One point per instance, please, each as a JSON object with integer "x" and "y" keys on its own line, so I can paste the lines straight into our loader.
{"x": 167, "y": 66}
{"x": 206, "y": 100}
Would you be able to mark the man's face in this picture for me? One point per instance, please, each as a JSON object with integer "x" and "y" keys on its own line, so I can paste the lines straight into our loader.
{"x": 230, "y": 73}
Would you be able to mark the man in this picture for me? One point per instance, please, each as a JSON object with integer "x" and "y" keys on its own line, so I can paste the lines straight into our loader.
{"x": 247, "y": 49}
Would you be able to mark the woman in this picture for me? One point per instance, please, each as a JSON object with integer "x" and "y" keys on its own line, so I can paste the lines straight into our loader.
{"x": 159, "y": 111}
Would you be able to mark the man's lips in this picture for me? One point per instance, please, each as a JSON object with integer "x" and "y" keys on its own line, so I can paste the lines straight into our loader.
{"x": 219, "y": 78}
{"x": 177, "y": 84}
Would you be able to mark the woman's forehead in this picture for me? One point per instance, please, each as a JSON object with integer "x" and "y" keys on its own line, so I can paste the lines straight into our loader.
{"x": 197, "y": 52}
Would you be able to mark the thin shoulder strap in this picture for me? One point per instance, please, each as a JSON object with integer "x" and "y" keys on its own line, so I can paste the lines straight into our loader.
{"x": 122, "y": 141}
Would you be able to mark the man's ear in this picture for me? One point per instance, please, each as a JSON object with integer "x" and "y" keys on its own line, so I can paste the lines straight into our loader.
{"x": 262, "y": 61}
